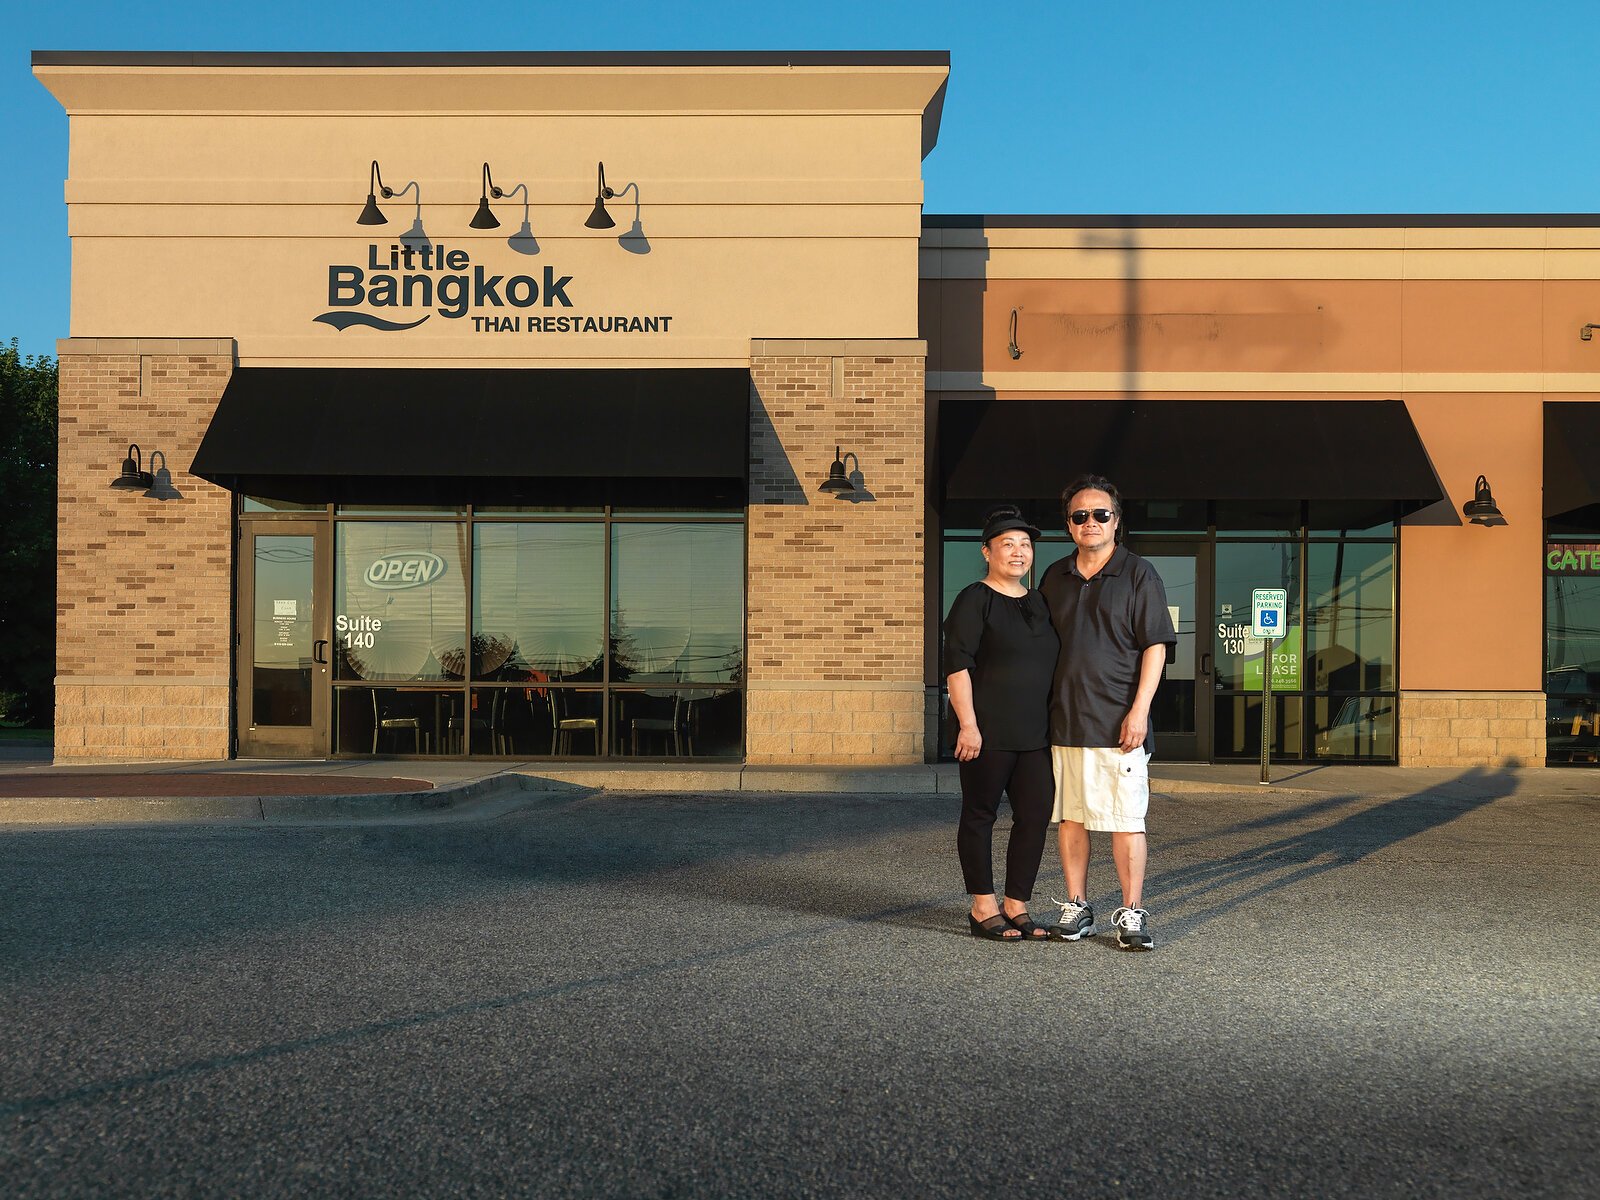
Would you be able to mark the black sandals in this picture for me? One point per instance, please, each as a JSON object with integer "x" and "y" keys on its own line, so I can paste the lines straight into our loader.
{"x": 1024, "y": 922}
{"x": 994, "y": 928}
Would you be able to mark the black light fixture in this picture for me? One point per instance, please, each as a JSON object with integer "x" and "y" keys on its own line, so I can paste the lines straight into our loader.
{"x": 1016, "y": 351}
{"x": 600, "y": 218}
{"x": 372, "y": 214}
{"x": 1587, "y": 332}
{"x": 838, "y": 482}
{"x": 484, "y": 218}
{"x": 1481, "y": 509}
{"x": 133, "y": 476}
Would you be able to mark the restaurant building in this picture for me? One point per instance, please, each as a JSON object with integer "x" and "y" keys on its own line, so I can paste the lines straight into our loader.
{"x": 628, "y": 406}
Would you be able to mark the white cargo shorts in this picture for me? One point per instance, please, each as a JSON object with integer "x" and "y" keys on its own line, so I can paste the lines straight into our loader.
{"x": 1101, "y": 788}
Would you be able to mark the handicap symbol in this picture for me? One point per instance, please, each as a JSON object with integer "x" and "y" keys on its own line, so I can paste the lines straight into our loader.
{"x": 1269, "y": 619}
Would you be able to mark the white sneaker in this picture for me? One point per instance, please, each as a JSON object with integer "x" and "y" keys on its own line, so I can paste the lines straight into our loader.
{"x": 1076, "y": 920}
{"x": 1133, "y": 929}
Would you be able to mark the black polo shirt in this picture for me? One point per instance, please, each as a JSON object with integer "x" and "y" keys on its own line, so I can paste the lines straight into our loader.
{"x": 1105, "y": 623}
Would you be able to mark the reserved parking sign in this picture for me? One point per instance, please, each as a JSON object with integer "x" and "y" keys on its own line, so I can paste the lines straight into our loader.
{"x": 1268, "y": 612}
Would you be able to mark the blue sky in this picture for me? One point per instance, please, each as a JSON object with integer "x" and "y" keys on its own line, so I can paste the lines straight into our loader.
{"x": 1066, "y": 107}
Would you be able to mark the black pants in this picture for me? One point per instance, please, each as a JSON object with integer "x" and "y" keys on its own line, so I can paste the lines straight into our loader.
{"x": 1025, "y": 777}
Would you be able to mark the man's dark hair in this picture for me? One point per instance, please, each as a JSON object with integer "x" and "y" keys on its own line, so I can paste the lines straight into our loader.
{"x": 1098, "y": 483}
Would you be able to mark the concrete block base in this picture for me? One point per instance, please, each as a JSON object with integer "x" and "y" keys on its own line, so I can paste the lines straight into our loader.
{"x": 1472, "y": 729}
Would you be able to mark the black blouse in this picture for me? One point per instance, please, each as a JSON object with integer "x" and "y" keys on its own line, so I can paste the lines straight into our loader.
{"x": 1009, "y": 647}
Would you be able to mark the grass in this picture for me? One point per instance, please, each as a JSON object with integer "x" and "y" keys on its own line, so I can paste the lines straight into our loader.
{"x": 42, "y": 736}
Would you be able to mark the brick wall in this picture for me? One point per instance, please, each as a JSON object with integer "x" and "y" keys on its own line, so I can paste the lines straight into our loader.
{"x": 144, "y": 586}
{"x": 1465, "y": 729}
{"x": 836, "y": 586}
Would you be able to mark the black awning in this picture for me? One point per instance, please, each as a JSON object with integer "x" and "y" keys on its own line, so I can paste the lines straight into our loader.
{"x": 277, "y": 426}
{"x": 1186, "y": 449}
{"x": 1571, "y": 456}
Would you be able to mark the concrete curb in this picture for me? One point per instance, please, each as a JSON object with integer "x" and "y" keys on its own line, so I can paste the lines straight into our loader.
{"x": 940, "y": 780}
{"x": 495, "y": 794}
{"x": 456, "y": 799}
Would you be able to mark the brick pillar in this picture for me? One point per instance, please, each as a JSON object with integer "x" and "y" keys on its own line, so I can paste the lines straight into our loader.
{"x": 144, "y": 586}
{"x": 836, "y": 586}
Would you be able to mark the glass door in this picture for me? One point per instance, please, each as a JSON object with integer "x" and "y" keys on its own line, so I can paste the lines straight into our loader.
{"x": 284, "y": 658}
{"x": 1181, "y": 714}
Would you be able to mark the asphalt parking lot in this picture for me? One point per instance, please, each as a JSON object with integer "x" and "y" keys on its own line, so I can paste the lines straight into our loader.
{"x": 683, "y": 996}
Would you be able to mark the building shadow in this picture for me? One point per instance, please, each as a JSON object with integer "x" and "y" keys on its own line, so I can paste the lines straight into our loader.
{"x": 1204, "y": 891}
{"x": 772, "y": 476}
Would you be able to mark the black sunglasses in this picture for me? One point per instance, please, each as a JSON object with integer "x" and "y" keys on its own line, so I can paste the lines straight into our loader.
{"x": 1080, "y": 516}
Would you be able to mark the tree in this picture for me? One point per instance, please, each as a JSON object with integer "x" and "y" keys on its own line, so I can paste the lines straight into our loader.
{"x": 27, "y": 536}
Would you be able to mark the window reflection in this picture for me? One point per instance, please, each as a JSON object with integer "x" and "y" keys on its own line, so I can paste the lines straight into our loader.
{"x": 1241, "y": 568}
{"x": 1236, "y": 732}
{"x": 677, "y": 608}
{"x": 1356, "y": 727}
{"x": 399, "y": 601}
{"x": 538, "y": 601}
{"x": 1350, "y": 618}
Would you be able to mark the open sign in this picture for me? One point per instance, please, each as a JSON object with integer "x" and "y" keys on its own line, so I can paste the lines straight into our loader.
{"x": 392, "y": 572}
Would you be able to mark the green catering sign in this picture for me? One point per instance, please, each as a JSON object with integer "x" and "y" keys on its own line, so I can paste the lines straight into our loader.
{"x": 1572, "y": 558}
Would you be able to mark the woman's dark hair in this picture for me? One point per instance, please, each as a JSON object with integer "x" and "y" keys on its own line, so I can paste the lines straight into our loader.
{"x": 1096, "y": 483}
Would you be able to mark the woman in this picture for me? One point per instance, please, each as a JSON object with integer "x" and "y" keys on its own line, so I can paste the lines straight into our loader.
{"x": 999, "y": 654}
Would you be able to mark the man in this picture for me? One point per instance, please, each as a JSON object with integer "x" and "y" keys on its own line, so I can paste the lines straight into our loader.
{"x": 1110, "y": 609}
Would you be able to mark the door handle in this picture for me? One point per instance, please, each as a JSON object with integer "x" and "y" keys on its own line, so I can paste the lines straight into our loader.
{"x": 318, "y": 654}
{"x": 1205, "y": 663}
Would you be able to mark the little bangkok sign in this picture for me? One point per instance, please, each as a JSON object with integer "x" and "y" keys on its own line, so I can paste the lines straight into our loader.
{"x": 436, "y": 280}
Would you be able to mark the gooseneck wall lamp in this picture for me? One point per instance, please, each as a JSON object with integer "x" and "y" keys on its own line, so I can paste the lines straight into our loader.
{"x": 600, "y": 218}
{"x": 1481, "y": 509}
{"x": 372, "y": 214}
{"x": 838, "y": 481}
{"x": 133, "y": 476}
{"x": 1014, "y": 349}
{"x": 484, "y": 218}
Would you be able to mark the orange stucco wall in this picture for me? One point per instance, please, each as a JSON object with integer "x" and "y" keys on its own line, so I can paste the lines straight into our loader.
{"x": 1473, "y": 328}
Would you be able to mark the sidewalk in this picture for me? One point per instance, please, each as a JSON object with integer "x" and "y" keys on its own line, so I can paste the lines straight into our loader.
{"x": 35, "y": 791}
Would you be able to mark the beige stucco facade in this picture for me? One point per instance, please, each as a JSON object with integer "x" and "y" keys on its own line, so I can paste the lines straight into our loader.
{"x": 776, "y": 201}
{"x": 776, "y": 230}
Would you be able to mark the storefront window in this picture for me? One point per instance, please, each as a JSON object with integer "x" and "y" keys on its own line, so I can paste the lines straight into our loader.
{"x": 538, "y": 601}
{"x": 1350, "y": 619}
{"x": 531, "y": 675}
{"x": 1241, "y": 567}
{"x": 400, "y": 601}
{"x": 265, "y": 504}
{"x": 1572, "y": 651}
{"x": 677, "y": 603}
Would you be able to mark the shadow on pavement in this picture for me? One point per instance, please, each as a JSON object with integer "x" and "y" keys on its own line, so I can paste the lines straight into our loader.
{"x": 198, "y": 886}
{"x": 1203, "y": 891}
